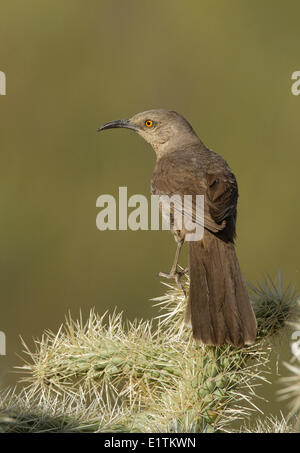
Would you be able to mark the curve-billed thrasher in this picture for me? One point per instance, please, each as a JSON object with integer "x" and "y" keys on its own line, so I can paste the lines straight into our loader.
{"x": 219, "y": 310}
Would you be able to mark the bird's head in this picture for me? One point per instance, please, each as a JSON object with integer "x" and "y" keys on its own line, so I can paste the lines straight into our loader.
{"x": 163, "y": 129}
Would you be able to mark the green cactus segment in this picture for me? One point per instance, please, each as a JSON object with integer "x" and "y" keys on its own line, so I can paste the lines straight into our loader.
{"x": 142, "y": 376}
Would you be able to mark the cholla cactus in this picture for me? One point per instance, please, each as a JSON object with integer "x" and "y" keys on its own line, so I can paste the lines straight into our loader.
{"x": 142, "y": 376}
{"x": 291, "y": 384}
{"x": 272, "y": 425}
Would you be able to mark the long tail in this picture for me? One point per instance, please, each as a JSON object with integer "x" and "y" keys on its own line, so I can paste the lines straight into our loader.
{"x": 219, "y": 309}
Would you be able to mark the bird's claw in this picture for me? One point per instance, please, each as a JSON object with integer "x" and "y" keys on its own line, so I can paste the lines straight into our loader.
{"x": 176, "y": 275}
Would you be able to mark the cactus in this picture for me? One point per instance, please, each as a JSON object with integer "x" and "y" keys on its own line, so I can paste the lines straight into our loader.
{"x": 112, "y": 375}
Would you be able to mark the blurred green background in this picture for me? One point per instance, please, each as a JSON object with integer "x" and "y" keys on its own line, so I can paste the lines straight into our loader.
{"x": 72, "y": 65}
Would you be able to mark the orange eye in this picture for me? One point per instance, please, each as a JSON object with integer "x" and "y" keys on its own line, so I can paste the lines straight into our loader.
{"x": 149, "y": 123}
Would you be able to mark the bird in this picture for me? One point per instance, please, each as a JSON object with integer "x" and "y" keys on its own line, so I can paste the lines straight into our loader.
{"x": 218, "y": 309}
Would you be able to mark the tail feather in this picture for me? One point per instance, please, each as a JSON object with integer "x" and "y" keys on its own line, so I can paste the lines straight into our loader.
{"x": 219, "y": 309}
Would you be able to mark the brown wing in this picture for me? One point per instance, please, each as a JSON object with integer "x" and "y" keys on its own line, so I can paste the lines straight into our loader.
{"x": 184, "y": 174}
{"x": 221, "y": 195}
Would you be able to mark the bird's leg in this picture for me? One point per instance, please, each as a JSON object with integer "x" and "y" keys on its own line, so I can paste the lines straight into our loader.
{"x": 174, "y": 273}
{"x": 173, "y": 270}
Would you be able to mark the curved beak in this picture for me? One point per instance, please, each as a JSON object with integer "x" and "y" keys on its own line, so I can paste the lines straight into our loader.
{"x": 119, "y": 123}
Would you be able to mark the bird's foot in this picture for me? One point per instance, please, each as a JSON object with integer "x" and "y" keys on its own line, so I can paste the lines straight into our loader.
{"x": 175, "y": 275}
